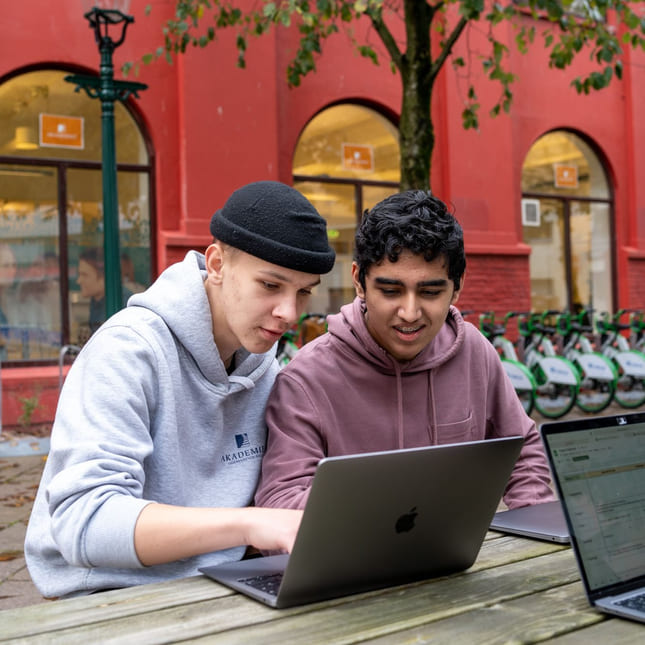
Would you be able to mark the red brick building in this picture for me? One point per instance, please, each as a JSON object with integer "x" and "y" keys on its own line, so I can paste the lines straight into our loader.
{"x": 551, "y": 197}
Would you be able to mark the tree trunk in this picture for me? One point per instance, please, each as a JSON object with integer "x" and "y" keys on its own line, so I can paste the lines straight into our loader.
{"x": 416, "y": 129}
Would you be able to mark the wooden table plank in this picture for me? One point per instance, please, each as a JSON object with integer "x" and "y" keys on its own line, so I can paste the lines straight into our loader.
{"x": 58, "y": 615}
{"x": 372, "y": 615}
{"x": 614, "y": 631}
{"x": 101, "y": 607}
{"x": 235, "y": 618}
{"x": 532, "y": 618}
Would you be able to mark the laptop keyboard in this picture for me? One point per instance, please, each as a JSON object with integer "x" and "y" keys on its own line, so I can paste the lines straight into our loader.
{"x": 634, "y": 602}
{"x": 269, "y": 583}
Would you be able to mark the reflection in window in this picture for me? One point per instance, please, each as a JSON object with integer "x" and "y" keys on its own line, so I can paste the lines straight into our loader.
{"x": 29, "y": 229}
{"x": 567, "y": 223}
{"x": 561, "y": 163}
{"x": 347, "y": 160}
{"x": 26, "y": 99}
{"x": 51, "y": 213}
{"x": 85, "y": 256}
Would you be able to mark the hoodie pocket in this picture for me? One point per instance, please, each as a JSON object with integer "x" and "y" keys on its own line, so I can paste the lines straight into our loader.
{"x": 455, "y": 431}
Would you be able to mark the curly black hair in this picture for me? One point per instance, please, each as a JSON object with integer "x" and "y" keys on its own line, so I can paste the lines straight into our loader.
{"x": 412, "y": 220}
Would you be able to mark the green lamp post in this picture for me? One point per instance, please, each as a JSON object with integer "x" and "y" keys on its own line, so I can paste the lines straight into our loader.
{"x": 103, "y": 16}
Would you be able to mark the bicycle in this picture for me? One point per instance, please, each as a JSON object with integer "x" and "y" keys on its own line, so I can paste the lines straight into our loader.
{"x": 306, "y": 328}
{"x": 629, "y": 362}
{"x": 598, "y": 374}
{"x": 520, "y": 376}
{"x": 556, "y": 377}
{"x": 637, "y": 327}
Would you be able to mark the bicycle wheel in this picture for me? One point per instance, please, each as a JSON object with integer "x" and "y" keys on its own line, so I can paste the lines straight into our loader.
{"x": 522, "y": 381}
{"x": 630, "y": 392}
{"x": 527, "y": 399}
{"x": 552, "y": 400}
{"x": 594, "y": 395}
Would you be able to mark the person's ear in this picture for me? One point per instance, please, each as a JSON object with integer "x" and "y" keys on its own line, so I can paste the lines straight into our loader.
{"x": 360, "y": 292}
{"x": 215, "y": 262}
{"x": 456, "y": 292}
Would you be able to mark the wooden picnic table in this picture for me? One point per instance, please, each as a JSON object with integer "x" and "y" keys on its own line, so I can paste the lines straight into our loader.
{"x": 518, "y": 591}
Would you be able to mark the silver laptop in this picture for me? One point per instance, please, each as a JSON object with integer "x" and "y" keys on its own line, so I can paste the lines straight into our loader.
{"x": 380, "y": 519}
{"x": 541, "y": 521}
{"x": 598, "y": 465}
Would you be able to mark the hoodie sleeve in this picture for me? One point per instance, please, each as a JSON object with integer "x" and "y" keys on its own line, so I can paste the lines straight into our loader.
{"x": 101, "y": 440}
{"x": 529, "y": 482}
{"x": 294, "y": 447}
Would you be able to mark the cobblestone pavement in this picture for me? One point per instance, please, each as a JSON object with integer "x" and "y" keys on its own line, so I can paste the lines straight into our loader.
{"x": 19, "y": 477}
{"x": 21, "y": 464}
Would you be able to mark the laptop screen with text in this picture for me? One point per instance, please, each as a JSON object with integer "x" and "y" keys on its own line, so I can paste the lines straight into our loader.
{"x": 600, "y": 473}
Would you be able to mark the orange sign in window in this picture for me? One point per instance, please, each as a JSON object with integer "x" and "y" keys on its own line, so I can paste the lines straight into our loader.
{"x": 358, "y": 157}
{"x": 61, "y": 131}
{"x": 566, "y": 176}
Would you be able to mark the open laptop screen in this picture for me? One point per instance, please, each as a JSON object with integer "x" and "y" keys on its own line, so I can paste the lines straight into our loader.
{"x": 599, "y": 468}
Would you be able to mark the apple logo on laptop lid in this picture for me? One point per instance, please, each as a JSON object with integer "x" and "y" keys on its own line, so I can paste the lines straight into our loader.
{"x": 406, "y": 522}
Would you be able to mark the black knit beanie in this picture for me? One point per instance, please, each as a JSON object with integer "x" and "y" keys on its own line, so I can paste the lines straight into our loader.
{"x": 274, "y": 222}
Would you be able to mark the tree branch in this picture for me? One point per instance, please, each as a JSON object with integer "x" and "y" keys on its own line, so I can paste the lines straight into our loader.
{"x": 376, "y": 16}
{"x": 448, "y": 44}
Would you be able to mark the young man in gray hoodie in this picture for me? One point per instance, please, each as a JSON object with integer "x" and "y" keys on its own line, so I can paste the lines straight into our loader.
{"x": 159, "y": 432}
{"x": 399, "y": 367}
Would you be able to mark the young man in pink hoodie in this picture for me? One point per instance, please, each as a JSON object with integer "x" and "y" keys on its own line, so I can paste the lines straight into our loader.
{"x": 399, "y": 367}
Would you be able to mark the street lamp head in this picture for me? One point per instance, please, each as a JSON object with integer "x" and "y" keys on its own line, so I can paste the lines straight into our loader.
{"x": 103, "y": 14}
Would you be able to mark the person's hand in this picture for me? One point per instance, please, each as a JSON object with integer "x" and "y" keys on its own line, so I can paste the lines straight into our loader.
{"x": 166, "y": 533}
{"x": 272, "y": 529}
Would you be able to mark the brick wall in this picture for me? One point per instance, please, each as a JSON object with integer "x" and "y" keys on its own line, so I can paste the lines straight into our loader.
{"x": 636, "y": 269}
{"x": 496, "y": 283}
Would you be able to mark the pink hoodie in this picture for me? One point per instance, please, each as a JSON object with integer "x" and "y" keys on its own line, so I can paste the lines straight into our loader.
{"x": 343, "y": 394}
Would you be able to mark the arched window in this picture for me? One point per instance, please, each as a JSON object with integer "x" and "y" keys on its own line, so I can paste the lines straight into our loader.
{"x": 51, "y": 220}
{"x": 346, "y": 160}
{"x": 567, "y": 221}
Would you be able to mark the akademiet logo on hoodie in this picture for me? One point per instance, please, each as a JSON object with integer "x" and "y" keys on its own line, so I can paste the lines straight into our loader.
{"x": 244, "y": 450}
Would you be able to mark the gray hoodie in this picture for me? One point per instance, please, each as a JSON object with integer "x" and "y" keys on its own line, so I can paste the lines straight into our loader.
{"x": 147, "y": 414}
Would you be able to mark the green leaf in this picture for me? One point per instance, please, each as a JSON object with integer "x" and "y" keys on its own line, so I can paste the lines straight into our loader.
{"x": 368, "y": 52}
{"x": 469, "y": 117}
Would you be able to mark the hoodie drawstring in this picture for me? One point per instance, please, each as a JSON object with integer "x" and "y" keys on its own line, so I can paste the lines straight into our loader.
{"x": 432, "y": 431}
{"x": 399, "y": 400}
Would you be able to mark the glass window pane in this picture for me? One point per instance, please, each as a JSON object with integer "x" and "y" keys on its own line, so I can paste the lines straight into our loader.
{"x": 580, "y": 227}
{"x": 547, "y": 259}
{"x": 85, "y": 250}
{"x": 134, "y": 230}
{"x": 42, "y": 116}
{"x": 349, "y": 141}
{"x": 591, "y": 256}
{"x": 29, "y": 284}
{"x": 562, "y": 163}
{"x": 336, "y": 204}
{"x": 345, "y": 142}
{"x": 372, "y": 195}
